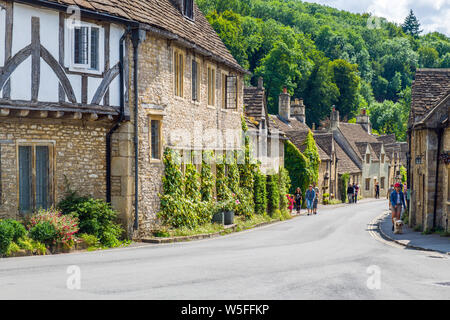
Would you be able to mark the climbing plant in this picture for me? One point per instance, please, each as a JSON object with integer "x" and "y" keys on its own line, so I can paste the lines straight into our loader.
{"x": 284, "y": 186}
{"x": 273, "y": 194}
{"x": 298, "y": 167}
{"x": 312, "y": 153}
{"x": 343, "y": 183}
{"x": 207, "y": 178}
{"x": 260, "y": 193}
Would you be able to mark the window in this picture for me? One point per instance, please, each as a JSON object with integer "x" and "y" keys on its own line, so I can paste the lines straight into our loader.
{"x": 211, "y": 86}
{"x": 86, "y": 39}
{"x": 188, "y": 8}
{"x": 231, "y": 92}
{"x": 382, "y": 158}
{"x": 224, "y": 91}
{"x": 155, "y": 138}
{"x": 368, "y": 158}
{"x": 382, "y": 182}
{"x": 179, "y": 73}
{"x": 368, "y": 184}
{"x": 35, "y": 183}
{"x": 195, "y": 81}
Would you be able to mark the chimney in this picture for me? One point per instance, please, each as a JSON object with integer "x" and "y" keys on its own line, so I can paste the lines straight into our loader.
{"x": 284, "y": 105}
{"x": 363, "y": 120}
{"x": 334, "y": 120}
{"x": 298, "y": 110}
{"x": 260, "y": 83}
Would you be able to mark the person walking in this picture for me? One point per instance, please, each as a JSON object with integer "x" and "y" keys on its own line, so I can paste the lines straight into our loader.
{"x": 310, "y": 196}
{"x": 350, "y": 192}
{"x": 397, "y": 201}
{"x": 316, "y": 200}
{"x": 377, "y": 191}
{"x": 298, "y": 197}
{"x": 356, "y": 188}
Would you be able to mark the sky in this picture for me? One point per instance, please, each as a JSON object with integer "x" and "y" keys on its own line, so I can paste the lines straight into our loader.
{"x": 433, "y": 15}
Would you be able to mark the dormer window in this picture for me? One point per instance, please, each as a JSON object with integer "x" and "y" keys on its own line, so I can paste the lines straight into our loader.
{"x": 368, "y": 158}
{"x": 188, "y": 9}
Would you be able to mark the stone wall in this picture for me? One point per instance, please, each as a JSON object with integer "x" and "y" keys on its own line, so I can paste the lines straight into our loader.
{"x": 181, "y": 116}
{"x": 79, "y": 156}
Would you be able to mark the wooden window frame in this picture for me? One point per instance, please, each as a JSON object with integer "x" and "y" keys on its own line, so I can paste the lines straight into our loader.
{"x": 159, "y": 118}
{"x": 51, "y": 176}
{"x": 178, "y": 72}
{"x": 367, "y": 184}
{"x": 211, "y": 79}
{"x": 86, "y": 67}
{"x": 367, "y": 158}
{"x": 189, "y": 15}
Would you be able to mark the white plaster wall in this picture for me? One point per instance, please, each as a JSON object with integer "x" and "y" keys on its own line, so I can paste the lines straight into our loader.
{"x": 21, "y": 81}
{"x": 93, "y": 84}
{"x": 75, "y": 80}
{"x": 2, "y": 36}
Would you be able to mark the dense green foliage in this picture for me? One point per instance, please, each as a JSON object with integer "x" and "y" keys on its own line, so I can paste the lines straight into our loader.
{"x": 284, "y": 185}
{"x": 273, "y": 194}
{"x": 312, "y": 154}
{"x": 207, "y": 178}
{"x": 44, "y": 232}
{"x": 298, "y": 166}
{"x": 96, "y": 217}
{"x": 343, "y": 184}
{"x": 326, "y": 56}
{"x": 6, "y": 236}
{"x": 260, "y": 193}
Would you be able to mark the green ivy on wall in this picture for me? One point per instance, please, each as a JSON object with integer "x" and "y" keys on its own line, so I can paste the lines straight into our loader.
{"x": 298, "y": 167}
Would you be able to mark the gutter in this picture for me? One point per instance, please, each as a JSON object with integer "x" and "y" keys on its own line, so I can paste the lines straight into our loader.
{"x": 119, "y": 121}
{"x": 439, "y": 132}
{"x": 138, "y": 36}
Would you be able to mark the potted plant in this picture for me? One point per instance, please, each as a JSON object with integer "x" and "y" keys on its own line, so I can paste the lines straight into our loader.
{"x": 224, "y": 212}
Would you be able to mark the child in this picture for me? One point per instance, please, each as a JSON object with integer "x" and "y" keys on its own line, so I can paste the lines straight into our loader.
{"x": 291, "y": 202}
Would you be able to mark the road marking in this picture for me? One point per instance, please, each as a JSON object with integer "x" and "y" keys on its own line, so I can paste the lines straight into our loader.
{"x": 374, "y": 231}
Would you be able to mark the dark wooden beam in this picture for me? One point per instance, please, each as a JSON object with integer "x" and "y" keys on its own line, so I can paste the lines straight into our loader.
{"x": 35, "y": 58}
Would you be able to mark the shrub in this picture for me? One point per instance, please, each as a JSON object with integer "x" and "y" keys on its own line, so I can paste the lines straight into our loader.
{"x": 233, "y": 175}
{"x": 6, "y": 236}
{"x": 222, "y": 190}
{"x": 90, "y": 240}
{"x": 32, "y": 246}
{"x": 13, "y": 248}
{"x": 284, "y": 185}
{"x": 273, "y": 194}
{"x": 19, "y": 229}
{"x": 66, "y": 226}
{"x": 343, "y": 184}
{"x": 192, "y": 183}
{"x": 99, "y": 219}
{"x": 260, "y": 193}
{"x": 207, "y": 178}
{"x": 244, "y": 205}
{"x": 44, "y": 232}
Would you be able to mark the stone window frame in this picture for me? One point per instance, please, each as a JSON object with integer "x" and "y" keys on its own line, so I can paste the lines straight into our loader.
{"x": 178, "y": 73}
{"x": 155, "y": 117}
{"x": 367, "y": 184}
{"x": 211, "y": 84}
{"x": 51, "y": 144}
{"x": 199, "y": 78}
{"x": 382, "y": 183}
{"x": 223, "y": 89}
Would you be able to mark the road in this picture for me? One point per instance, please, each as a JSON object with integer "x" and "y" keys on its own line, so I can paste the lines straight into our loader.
{"x": 328, "y": 256}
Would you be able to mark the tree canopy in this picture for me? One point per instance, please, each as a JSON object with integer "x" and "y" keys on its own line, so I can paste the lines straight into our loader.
{"x": 327, "y": 56}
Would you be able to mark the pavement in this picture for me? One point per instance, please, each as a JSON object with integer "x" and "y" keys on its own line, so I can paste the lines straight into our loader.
{"x": 416, "y": 240}
{"x": 334, "y": 255}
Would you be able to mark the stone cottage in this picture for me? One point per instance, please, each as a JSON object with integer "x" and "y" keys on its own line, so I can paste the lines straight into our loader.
{"x": 291, "y": 120}
{"x": 365, "y": 151}
{"x": 267, "y": 140}
{"x": 429, "y": 143}
{"x": 91, "y": 95}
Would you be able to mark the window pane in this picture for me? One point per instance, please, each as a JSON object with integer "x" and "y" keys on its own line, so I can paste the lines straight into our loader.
{"x": 194, "y": 80}
{"x": 81, "y": 45}
{"x": 95, "y": 35}
{"x": 155, "y": 124}
{"x": 25, "y": 179}
{"x": 42, "y": 177}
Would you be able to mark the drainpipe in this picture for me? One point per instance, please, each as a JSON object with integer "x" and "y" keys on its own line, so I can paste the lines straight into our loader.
{"x": 119, "y": 121}
{"x": 138, "y": 36}
{"x": 439, "y": 132}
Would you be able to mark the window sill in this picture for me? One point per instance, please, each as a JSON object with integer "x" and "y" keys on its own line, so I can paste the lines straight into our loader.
{"x": 181, "y": 99}
{"x": 211, "y": 107}
{"x": 81, "y": 71}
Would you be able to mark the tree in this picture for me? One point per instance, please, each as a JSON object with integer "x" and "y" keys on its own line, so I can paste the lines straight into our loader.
{"x": 428, "y": 57}
{"x": 411, "y": 25}
{"x": 347, "y": 80}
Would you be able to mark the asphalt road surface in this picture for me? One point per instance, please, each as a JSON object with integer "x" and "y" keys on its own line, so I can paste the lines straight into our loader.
{"x": 328, "y": 256}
